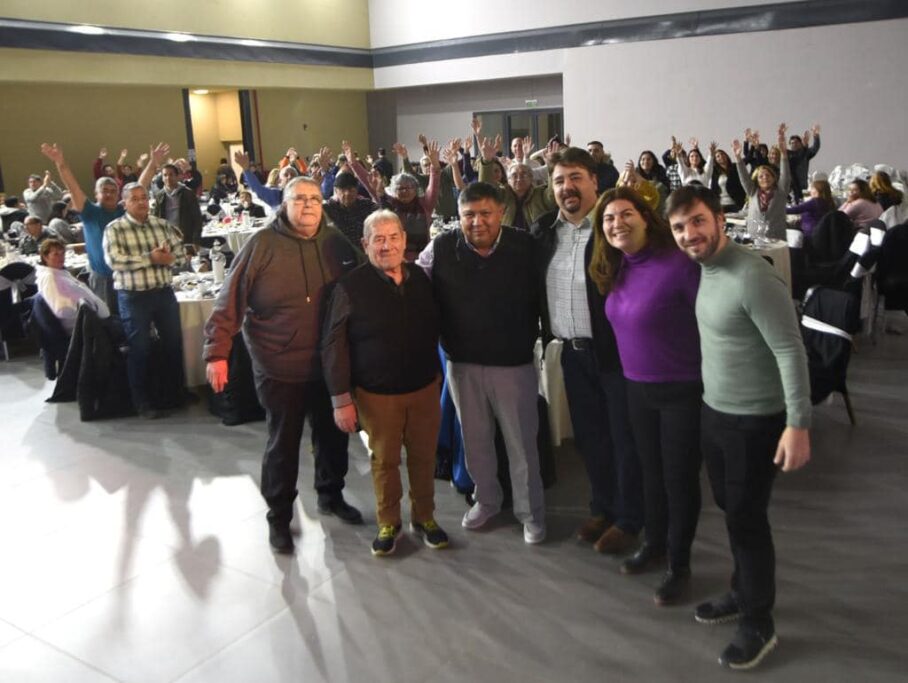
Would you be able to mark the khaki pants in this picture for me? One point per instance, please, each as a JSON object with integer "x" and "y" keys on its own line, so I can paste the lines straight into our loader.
{"x": 394, "y": 420}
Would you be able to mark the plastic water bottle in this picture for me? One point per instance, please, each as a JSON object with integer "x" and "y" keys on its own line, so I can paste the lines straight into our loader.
{"x": 218, "y": 263}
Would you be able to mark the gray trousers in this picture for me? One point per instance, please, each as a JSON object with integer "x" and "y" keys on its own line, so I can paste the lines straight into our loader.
{"x": 103, "y": 288}
{"x": 482, "y": 395}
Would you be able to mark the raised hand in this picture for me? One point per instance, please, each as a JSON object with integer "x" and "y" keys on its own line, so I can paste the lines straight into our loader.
{"x": 783, "y": 129}
{"x": 498, "y": 142}
{"x": 816, "y": 129}
{"x": 476, "y": 125}
{"x": 806, "y": 137}
{"x": 432, "y": 151}
{"x": 52, "y": 152}
{"x": 292, "y": 153}
{"x": 47, "y": 177}
{"x": 756, "y": 138}
{"x": 567, "y": 140}
{"x": 123, "y": 154}
{"x": 347, "y": 149}
{"x": 737, "y": 148}
{"x": 487, "y": 148}
{"x": 694, "y": 143}
{"x": 713, "y": 146}
{"x": 400, "y": 149}
{"x": 422, "y": 140}
{"x": 324, "y": 158}
{"x": 528, "y": 146}
{"x": 315, "y": 172}
{"x": 551, "y": 149}
{"x": 159, "y": 152}
{"x": 143, "y": 158}
{"x": 748, "y": 134}
{"x": 242, "y": 159}
{"x": 102, "y": 153}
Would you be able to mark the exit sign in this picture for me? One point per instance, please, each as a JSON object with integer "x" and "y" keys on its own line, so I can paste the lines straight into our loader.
{"x": 532, "y": 103}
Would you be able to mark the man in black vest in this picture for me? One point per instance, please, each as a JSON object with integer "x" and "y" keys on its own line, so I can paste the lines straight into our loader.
{"x": 487, "y": 292}
{"x": 380, "y": 359}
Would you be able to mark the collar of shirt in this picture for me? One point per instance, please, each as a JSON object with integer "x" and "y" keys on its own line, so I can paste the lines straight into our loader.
{"x": 586, "y": 223}
{"x": 491, "y": 249}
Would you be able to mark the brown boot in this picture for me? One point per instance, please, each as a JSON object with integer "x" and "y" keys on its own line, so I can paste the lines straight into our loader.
{"x": 592, "y": 529}
{"x": 615, "y": 541}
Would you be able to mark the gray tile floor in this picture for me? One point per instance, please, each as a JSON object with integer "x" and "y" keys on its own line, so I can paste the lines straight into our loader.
{"x": 136, "y": 551}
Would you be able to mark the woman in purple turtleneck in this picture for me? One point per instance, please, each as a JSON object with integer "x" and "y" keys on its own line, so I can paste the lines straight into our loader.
{"x": 651, "y": 288}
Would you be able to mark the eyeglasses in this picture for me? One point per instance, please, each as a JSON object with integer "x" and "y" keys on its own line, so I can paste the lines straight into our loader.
{"x": 306, "y": 199}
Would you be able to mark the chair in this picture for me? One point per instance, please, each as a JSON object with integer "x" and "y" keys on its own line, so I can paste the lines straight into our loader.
{"x": 827, "y": 258}
{"x": 8, "y": 219}
{"x": 52, "y": 338}
{"x": 829, "y": 321}
{"x": 17, "y": 282}
{"x": 892, "y": 269}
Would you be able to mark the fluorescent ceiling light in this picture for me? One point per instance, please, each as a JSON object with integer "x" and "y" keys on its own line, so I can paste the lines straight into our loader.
{"x": 87, "y": 29}
{"x": 179, "y": 37}
{"x": 201, "y": 91}
{"x": 252, "y": 43}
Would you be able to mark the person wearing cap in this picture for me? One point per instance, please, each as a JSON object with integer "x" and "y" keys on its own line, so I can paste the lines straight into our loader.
{"x": 347, "y": 210}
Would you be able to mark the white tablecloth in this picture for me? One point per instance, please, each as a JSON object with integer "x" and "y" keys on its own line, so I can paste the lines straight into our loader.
{"x": 193, "y": 316}
{"x": 234, "y": 237}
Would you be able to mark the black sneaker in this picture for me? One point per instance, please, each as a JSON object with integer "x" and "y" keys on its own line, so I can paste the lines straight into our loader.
{"x": 279, "y": 537}
{"x": 432, "y": 534}
{"x": 340, "y": 509}
{"x": 718, "y": 611}
{"x": 386, "y": 541}
{"x": 748, "y": 648}
{"x": 674, "y": 587}
{"x": 646, "y": 558}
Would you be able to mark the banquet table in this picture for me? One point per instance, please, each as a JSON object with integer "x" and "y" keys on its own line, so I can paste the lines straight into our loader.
{"x": 234, "y": 234}
{"x": 196, "y": 303}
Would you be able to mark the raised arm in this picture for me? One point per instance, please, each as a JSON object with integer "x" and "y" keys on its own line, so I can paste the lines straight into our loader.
{"x": 784, "y": 166}
{"x": 450, "y": 155}
{"x": 156, "y": 156}
{"x": 743, "y": 175}
{"x": 55, "y": 154}
{"x": 430, "y": 199}
{"x": 359, "y": 171}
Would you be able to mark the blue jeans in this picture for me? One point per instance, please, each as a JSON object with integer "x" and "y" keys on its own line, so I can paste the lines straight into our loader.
{"x": 138, "y": 310}
{"x": 597, "y": 402}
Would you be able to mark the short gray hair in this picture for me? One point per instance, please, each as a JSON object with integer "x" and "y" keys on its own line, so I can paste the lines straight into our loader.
{"x": 101, "y": 182}
{"x": 129, "y": 187}
{"x": 403, "y": 178}
{"x": 380, "y": 216}
{"x": 288, "y": 188}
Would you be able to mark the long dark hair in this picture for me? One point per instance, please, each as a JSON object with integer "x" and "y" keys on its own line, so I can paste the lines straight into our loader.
{"x": 606, "y": 260}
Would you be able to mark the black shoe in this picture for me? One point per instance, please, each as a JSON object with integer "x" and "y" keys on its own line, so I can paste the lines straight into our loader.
{"x": 718, "y": 611}
{"x": 432, "y": 534}
{"x": 386, "y": 541}
{"x": 674, "y": 587}
{"x": 340, "y": 509}
{"x": 279, "y": 537}
{"x": 149, "y": 413}
{"x": 748, "y": 648}
{"x": 648, "y": 557}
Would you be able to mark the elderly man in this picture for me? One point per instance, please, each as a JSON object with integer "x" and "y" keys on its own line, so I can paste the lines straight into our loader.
{"x": 275, "y": 290}
{"x": 179, "y": 206}
{"x": 484, "y": 280}
{"x": 380, "y": 353}
{"x": 756, "y": 391}
{"x": 40, "y": 196}
{"x": 96, "y": 215}
{"x": 33, "y": 234}
{"x": 573, "y": 311}
{"x": 346, "y": 209}
{"x": 140, "y": 250}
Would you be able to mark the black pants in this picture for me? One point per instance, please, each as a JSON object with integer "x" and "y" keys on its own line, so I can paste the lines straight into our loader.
{"x": 739, "y": 451}
{"x": 665, "y": 418}
{"x": 286, "y": 407}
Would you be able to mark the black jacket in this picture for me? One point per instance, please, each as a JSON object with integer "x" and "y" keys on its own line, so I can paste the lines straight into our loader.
{"x": 543, "y": 230}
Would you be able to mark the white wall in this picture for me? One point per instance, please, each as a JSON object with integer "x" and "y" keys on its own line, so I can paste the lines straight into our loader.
{"x": 850, "y": 78}
{"x": 444, "y": 111}
{"x": 427, "y": 21}
{"x": 715, "y": 87}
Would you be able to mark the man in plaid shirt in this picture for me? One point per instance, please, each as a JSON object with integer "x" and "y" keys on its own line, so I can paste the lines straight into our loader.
{"x": 140, "y": 249}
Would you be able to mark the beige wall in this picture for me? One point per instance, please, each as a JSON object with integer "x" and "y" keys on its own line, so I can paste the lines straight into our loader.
{"x": 323, "y": 22}
{"x": 309, "y": 119}
{"x": 82, "y": 119}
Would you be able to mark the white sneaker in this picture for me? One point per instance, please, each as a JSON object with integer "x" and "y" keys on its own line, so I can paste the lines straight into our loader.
{"x": 477, "y": 516}
{"x": 534, "y": 532}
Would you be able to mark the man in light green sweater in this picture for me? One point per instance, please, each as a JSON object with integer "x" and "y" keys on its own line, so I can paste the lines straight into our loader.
{"x": 756, "y": 413}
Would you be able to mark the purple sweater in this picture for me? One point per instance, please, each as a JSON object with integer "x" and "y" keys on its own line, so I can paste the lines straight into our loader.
{"x": 811, "y": 212}
{"x": 651, "y": 308}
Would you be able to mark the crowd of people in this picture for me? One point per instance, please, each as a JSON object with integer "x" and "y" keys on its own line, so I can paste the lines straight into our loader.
{"x": 679, "y": 346}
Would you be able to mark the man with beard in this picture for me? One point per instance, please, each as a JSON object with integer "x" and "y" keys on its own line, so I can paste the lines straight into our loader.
{"x": 573, "y": 311}
{"x": 756, "y": 413}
